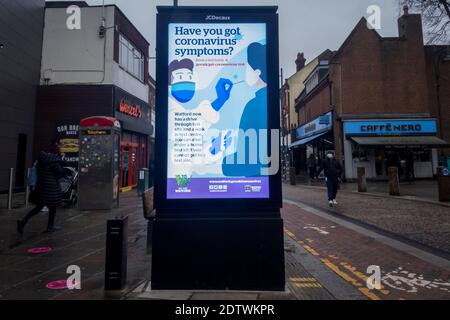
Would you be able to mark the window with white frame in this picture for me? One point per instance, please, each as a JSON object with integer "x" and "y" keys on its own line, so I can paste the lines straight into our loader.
{"x": 130, "y": 58}
{"x": 312, "y": 82}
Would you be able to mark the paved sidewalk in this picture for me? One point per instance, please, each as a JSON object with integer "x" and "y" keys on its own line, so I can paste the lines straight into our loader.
{"x": 421, "y": 222}
{"x": 407, "y": 272}
{"x": 425, "y": 190}
{"x": 82, "y": 242}
{"x": 326, "y": 258}
{"x": 18, "y": 200}
{"x": 306, "y": 279}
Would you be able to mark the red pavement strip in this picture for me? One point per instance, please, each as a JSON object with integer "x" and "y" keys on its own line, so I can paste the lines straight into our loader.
{"x": 349, "y": 254}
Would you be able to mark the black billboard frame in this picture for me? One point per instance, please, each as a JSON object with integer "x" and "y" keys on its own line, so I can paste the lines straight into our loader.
{"x": 216, "y": 244}
{"x": 202, "y": 207}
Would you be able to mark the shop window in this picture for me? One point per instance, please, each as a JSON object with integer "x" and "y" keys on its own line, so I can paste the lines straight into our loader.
{"x": 360, "y": 154}
{"x": 422, "y": 156}
{"x": 126, "y": 137}
{"x": 312, "y": 82}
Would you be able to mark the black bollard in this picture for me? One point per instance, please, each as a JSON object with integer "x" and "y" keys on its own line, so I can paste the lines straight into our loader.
{"x": 362, "y": 182}
{"x": 116, "y": 253}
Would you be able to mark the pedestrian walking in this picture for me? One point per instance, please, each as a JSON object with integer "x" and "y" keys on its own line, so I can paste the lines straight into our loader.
{"x": 48, "y": 191}
{"x": 409, "y": 167}
{"x": 312, "y": 166}
{"x": 332, "y": 171}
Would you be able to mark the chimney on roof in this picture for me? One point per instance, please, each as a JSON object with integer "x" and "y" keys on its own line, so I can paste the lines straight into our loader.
{"x": 300, "y": 61}
{"x": 406, "y": 10}
{"x": 410, "y": 26}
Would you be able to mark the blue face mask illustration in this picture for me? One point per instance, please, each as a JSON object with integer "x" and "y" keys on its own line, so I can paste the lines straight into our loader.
{"x": 183, "y": 91}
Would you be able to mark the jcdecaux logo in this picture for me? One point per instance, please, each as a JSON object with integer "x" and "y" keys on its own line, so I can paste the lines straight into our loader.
{"x": 214, "y": 17}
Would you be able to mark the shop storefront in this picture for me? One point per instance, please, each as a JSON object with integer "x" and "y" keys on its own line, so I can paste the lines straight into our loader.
{"x": 135, "y": 118}
{"x": 60, "y": 109}
{"x": 409, "y": 144}
{"x": 315, "y": 137}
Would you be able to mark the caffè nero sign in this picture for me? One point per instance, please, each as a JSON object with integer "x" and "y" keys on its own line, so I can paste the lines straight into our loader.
{"x": 390, "y": 127}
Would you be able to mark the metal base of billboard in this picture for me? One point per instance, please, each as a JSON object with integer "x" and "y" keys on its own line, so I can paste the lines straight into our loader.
{"x": 218, "y": 254}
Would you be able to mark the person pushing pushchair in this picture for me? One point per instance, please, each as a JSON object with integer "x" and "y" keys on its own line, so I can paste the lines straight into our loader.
{"x": 48, "y": 191}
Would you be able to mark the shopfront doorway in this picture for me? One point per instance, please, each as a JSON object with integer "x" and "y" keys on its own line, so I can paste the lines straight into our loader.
{"x": 128, "y": 166}
{"x": 133, "y": 158}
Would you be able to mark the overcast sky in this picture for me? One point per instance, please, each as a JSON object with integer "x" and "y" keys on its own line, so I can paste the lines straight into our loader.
{"x": 308, "y": 26}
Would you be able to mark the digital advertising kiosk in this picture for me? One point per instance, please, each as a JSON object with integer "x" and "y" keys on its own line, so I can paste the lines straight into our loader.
{"x": 217, "y": 182}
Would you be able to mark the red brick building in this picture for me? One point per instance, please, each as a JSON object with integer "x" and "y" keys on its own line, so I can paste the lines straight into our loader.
{"x": 438, "y": 72}
{"x": 313, "y": 103}
{"x": 389, "y": 101}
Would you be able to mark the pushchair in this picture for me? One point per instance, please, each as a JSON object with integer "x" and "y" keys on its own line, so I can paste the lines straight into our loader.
{"x": 69, "y": 184}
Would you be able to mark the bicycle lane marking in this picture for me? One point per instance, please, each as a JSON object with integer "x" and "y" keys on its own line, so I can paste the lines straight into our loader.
{"x": 348, "y": 254}
{"x": 333, "y": 267}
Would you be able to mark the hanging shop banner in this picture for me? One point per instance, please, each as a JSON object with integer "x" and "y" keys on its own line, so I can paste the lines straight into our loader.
{"x": 318, "y": 125}
{"x": 68, "y": 141}
{"x": 217, "y": 100}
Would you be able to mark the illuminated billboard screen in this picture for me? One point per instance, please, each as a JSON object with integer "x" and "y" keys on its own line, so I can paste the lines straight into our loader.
{"x": 217, "y": 111}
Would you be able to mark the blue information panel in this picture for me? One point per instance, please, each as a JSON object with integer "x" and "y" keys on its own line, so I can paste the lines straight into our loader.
{"x": 217, "y": 93}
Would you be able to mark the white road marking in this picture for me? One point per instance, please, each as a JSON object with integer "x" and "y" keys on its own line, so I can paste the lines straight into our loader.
{"x": 318, "y": 229}
{"x": 406, "y": 248}
{"x": 411, "y": 282}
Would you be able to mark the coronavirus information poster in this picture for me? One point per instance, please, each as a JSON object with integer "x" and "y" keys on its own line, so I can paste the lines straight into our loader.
{"x": 217, "y": 111}
{"x": 217, "y": 138}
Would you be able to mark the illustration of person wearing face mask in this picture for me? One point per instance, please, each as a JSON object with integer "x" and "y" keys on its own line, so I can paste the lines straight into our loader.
{"x": 182, "y": 90}
{"x": 254, "y": 116}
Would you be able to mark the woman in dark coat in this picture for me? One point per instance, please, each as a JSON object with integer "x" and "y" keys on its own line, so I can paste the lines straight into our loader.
{"x": 48, "y": 190}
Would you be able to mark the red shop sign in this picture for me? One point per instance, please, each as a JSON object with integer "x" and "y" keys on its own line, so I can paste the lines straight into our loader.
{"x": 134, "y": 111}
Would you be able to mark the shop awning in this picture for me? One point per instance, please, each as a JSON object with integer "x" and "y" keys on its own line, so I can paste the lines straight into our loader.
{"x": 306, "y": 140}
{"x": 401, "y": 141}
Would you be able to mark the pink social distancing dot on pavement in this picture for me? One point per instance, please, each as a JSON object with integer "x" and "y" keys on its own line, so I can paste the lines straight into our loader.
{"x": 39, "y": 250}
{"x": 58, "y": 285}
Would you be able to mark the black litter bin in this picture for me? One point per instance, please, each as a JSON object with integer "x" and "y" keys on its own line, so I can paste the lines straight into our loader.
{"x": 444, "y": 184}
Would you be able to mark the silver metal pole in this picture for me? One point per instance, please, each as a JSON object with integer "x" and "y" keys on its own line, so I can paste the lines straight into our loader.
{"x": 10, "y": 190}
{"x": 27, "y": 190}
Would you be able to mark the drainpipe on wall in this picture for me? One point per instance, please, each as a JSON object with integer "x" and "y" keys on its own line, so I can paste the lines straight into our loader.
{"x": 436, "y": 65}
{"x": 438, "y": 87}
{"x": 338, "y": 120}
